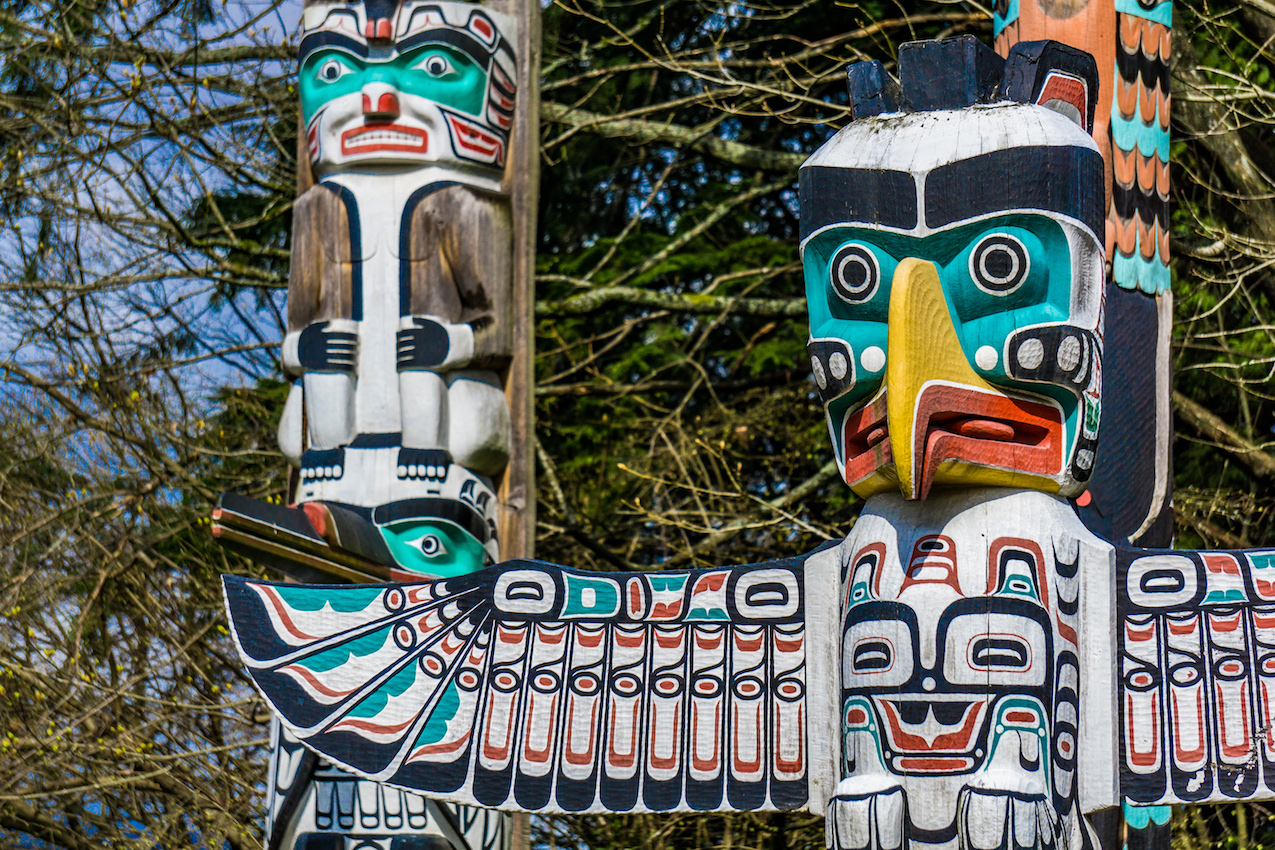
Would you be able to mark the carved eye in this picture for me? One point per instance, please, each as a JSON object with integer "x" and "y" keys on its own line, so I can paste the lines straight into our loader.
{"x": 1000, "y": 652}
{"x": 332, "y": 70}
{"x": 999, "y": 264}
{"x": 855, "y": 274}
{"x": 437, "y": 65}
{"x": 872, "y": 655}
{"x": 432, "y": 546}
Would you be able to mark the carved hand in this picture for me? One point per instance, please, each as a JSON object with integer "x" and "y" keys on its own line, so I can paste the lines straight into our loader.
{"x": 317, "y": 348}
{"x": 426, "y": 343}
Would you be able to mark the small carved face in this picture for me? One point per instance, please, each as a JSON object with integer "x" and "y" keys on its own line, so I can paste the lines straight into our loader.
{"x": 434, "y": 89}
{"x": 955, "y": 299}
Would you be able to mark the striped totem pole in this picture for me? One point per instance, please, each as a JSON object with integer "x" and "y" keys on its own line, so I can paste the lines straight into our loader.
{"x": 973, "y": 666}
{"x": 407, "y": 417}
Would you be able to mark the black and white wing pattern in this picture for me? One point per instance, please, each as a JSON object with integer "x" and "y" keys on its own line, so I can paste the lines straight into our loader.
{"x": 537, "y": 688}
{"x": 1196, "y": 637}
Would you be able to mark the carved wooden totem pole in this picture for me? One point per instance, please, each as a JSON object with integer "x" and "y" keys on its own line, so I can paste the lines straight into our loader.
{"x": 972, "y": 667}
{"x": 402, "y": 325}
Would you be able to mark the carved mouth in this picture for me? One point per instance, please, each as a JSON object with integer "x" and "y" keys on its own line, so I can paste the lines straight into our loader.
{"x": 955, "y": 423}
{"x": 930, "y": 735}
{"x": 866, "y": 438}
{"x": 384, "y": 138}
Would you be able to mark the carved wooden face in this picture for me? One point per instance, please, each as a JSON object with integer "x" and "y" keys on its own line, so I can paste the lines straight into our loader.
{"x": 432, "y": 83}
{"x": 954, "y": 279}
{"x": 959, "y": 661}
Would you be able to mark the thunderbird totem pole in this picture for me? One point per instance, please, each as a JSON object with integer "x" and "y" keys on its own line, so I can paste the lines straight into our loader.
{"x": 972, "y": 667}
{"x": 402, "y": 325}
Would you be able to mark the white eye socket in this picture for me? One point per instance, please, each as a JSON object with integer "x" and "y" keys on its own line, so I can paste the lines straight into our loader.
{"x": 437, "y": 65}
{"x": 995, "y": 649}
{"x": 432, "y": 546}
{"x": 877, "y": 654}
{"x": 332, "y": 70}
{"x": 999, "y": 264}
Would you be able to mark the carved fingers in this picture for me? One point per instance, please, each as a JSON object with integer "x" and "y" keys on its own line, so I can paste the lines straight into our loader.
{"x": 322, "y": 348}
{"x": 428, "y": 343}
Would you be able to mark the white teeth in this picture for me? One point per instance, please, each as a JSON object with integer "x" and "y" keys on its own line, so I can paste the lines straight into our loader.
{"x": 379, "y": 137}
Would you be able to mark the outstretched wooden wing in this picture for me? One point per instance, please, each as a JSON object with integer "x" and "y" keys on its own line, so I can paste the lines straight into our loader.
{"x": 1197, "y": 675}
{"x": 538, "y": 688}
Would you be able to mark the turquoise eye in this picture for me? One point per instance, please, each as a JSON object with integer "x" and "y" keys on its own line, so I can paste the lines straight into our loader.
{"x": 332, "y": 70}
{"x": 855, "y": 274}
{"x": 999, "y": 264}
{"x": 437, "y": 66}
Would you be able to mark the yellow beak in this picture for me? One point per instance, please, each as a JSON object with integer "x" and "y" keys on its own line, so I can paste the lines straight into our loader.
{"x": 923, "y": 348}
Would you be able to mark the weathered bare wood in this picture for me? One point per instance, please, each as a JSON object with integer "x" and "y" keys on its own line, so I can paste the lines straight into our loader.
{"x": 460, "y": 254}
{"x": 319, "y": 281}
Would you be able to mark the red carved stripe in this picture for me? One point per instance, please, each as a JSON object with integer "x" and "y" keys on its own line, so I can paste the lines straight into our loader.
{"x": 280, "y": 608}
{"x": 1139, "y": 758}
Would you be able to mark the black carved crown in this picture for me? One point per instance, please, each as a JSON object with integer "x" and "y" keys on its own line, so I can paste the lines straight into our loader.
{"x": 953, "y": 73}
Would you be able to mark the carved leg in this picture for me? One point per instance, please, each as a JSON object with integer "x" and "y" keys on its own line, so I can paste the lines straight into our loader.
{"x": 424, "y": 454}
{"x": 328, "y": 351}
{"x": 329, "y": 410}
{"x": 876, "y": 820}
{"x": 290, "y": 436}
{"x": 478, "y": 432}
{"x": 992, "y": 820}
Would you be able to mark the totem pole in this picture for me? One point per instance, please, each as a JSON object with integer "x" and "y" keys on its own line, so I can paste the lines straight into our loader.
{"x": 972, "y": 667}
{"x": 404, "y": 306}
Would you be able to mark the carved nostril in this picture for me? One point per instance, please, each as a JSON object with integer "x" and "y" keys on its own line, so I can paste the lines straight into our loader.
{"x": 386, "y": 105}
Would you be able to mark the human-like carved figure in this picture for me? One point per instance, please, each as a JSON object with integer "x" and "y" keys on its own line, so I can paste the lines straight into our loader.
{"x": 399, "y": 295}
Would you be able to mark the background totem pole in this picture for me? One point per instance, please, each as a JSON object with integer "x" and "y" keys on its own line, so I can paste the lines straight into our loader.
{"x": 408, "y": 346}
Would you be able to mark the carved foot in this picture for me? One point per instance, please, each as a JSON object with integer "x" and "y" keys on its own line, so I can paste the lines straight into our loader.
{"x": 322, "y": 464}
{"x": 988, "y": 820}
{"x": 872, "y": 821}
{"x": 423, "y": 464}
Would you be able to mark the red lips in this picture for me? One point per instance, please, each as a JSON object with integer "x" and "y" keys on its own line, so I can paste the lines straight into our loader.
{"x": 378, "y": 138}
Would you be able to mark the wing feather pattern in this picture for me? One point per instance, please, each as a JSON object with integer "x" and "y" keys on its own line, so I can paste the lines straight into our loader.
{"x": 536, "y": 688}
{"x": 1196, "y": 636}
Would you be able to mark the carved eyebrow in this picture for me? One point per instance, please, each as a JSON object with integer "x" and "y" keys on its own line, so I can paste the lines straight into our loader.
{"x": 328, "y": 38}
{"x": 1061, "y": 179}
{"x": 461, "y": 41}
{"x": 830, "y": 195}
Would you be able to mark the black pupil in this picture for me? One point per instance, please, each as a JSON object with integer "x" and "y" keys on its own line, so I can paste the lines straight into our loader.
{"x": 435, "y": 65}
{"x": 999, "y": 652}
{"x": 331, "y": 72}
{"x": 872, "y": 655}
{"x": 854, "y": 274}
{"x": 1000, "y": 262}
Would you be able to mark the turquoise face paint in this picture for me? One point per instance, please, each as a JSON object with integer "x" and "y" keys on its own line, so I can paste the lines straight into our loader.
{"x": 433, "y": 72}
{"x": 982, "y": 315}
{"x": 433, "y": 547}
